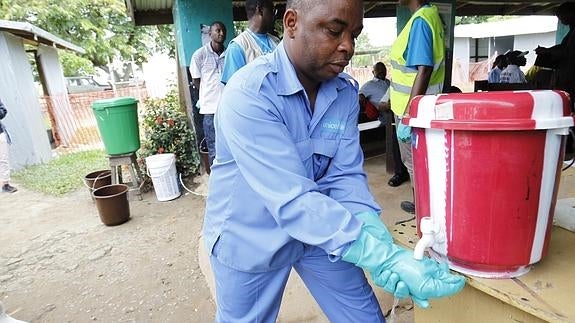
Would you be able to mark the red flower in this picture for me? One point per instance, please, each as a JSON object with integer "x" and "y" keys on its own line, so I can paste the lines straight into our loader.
{"x": 170, "y": 122}
{"x": 159, "y": 120}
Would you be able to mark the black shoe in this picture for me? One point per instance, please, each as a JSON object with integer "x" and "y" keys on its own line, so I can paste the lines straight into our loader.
{"x": 7, "y": 188}
{"x": 398, "y": 179}
{"x": 408, "y": 207}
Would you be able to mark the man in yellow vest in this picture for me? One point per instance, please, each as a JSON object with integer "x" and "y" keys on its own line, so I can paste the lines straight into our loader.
{"x": 417, "y": 60}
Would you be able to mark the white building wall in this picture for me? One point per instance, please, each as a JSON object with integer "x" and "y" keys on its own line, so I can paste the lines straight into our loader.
{"x": 531, "y": 41}
{"x": 24, "y": 121}
{"x": 460, "y": 60}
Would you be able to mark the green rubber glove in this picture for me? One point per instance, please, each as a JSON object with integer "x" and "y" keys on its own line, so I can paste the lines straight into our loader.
{"x": 394, "y": 268}
{"x": 403, "y": 132}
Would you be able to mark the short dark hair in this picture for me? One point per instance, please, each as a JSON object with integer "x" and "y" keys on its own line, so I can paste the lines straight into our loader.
{"x": 217, "y": 23}
{"x": 565, "y": 7}
{"x": 566, "y": 13}
{"x": 499, "y": 60}
{"x": 298, "y": 4}
{"x": 252, "y": 5}
{"x": 380, "y": 64}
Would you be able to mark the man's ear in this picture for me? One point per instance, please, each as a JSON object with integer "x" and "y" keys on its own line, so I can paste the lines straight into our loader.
{"x": 290, "y": 23}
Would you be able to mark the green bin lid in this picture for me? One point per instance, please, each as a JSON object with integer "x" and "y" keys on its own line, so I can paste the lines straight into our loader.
{"x": 113, "y": 102}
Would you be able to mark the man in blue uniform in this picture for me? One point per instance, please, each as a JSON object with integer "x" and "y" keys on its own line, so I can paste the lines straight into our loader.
{"x": 287, "y": 188}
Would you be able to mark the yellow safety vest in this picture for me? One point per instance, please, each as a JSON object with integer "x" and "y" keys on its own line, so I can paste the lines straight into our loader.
{"x": 403, "y": 77}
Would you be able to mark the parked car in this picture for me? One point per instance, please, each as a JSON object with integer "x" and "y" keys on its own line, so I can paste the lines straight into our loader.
{"x": 79, "y": 84}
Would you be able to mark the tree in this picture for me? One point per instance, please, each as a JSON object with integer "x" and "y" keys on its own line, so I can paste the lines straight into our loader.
{"x": 102, "y": 27}
{"x": 465, "y": 20}
{"x": 362, "y": 45}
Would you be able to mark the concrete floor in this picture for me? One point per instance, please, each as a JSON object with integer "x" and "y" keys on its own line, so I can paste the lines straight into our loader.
{"x": 299, "y": 306}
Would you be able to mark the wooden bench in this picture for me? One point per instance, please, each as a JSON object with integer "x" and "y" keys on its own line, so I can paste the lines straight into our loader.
{"x": 369, "y": 125}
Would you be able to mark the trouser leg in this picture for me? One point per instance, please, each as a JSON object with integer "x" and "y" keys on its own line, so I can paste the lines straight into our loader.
{"x": 406, "y": 154}
{"x": 340, "y": 288}
{"x": 248, "y": 297}
{"x": 210, "y": 135}
{"x": 4, "y": 159}
{"x": 399, "y": 167}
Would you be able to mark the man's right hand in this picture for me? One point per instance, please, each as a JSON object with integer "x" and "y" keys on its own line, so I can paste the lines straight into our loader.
{"x": 395, "y": 270}
{"x": 421, "y": 279}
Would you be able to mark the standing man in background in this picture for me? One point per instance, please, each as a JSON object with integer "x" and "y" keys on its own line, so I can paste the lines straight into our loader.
{"x": 418, "y": 67}
{"x": 255, "y": 41}
{"x": 206, "y": 71}
{"x": 376, "y": 91}
{"x": 5, "y": 154}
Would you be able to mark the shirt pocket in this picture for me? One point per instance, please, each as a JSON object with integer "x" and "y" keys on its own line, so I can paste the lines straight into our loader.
{"x": 316, "y": 155}
{"x": 323, "y": 152}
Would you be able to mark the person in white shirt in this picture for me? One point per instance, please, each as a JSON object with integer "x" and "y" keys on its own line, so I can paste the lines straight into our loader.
{"x": 512, "y": 73}
{"x": 206, "y": 70}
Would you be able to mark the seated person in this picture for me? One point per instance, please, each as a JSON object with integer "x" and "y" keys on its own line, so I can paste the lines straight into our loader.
{"x": 499, "y": 65}
{"x": 512, "y": 73}
{"x": 371, "y": 93}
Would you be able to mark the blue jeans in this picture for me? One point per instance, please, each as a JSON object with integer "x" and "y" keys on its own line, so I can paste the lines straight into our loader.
{"x": 340, "y": 288}
{"x": 210, "y": 135}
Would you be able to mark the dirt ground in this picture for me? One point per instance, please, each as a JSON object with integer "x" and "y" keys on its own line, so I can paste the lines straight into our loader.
{"x": 59, "y": 263}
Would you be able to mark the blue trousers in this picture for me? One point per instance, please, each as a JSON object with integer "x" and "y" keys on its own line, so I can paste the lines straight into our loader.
{"x": 210, "y": 135}
{"x": 340, "y": 289}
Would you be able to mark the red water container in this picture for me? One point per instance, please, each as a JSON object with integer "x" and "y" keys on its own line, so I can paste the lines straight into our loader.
{"x": 487, "y": 168}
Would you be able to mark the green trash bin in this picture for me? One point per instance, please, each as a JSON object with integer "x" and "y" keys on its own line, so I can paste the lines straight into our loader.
{"x": 118, "y": 124}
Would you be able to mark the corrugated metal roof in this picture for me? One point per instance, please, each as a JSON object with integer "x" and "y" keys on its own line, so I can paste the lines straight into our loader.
{"x": 517, "y": 26}
{"x": 35, "y": 35}
{"x": 150, "y": 12}
{"x": 152, "y": 5}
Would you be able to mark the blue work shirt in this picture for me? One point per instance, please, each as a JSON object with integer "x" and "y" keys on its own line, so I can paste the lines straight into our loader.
{"x": 284, "y": 177}
{"x": 374, "y": 90}
{"x": 235, "y": 57}
{"x": 494, "y": 75}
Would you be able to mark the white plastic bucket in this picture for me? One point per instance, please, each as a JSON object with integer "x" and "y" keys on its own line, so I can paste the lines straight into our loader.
{"x": 162, "y": 170}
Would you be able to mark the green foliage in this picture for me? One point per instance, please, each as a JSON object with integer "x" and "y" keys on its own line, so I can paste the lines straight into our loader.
{"x": 465, "y": 20}
{"x": 63, "y": 174}
{"x": 75, "y": 65}
{"x": 167, "y": 131}
{"x": 362, "y": 45}
{"x": 102, "y": 27}
{"x": 369, "y": 59}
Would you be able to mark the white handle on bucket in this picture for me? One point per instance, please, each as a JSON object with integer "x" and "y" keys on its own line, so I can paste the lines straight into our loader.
{"x": 189, "y": 190}
{"x": 164, "y": 173}
{"x": 101, "y": 175}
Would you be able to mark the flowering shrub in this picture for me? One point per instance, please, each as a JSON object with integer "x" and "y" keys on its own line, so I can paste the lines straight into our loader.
{"x": 166, "y": 130}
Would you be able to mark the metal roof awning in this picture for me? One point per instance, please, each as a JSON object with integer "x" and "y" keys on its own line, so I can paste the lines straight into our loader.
{"x": 153, "y": 12}
{"x": 34, "y": 35}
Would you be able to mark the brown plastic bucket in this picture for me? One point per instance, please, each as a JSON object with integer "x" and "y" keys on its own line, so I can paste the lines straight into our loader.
{"x": 97, "y": 179}
{"x": 112, "y": 204}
